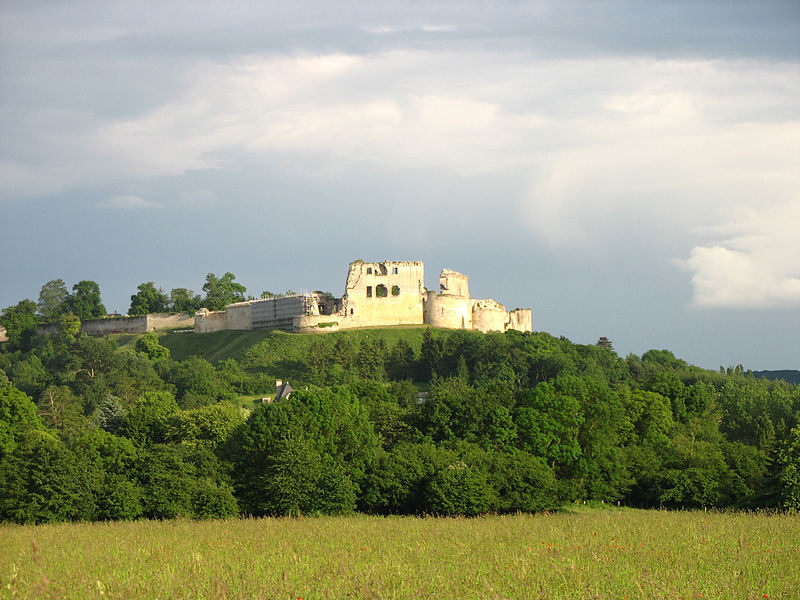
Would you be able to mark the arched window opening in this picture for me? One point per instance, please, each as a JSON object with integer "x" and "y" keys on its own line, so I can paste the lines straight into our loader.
{"x": 395, "y": 290}
{"x": 381, "y": 291}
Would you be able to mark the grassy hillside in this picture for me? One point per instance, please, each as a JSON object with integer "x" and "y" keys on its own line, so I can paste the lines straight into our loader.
{"x": 259, "y": 348}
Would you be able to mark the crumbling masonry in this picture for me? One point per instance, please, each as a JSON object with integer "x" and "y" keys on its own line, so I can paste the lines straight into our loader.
{"x": 382, "y": 293}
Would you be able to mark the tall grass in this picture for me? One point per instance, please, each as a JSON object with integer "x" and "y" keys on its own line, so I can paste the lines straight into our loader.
{"x": 586, "y": 554}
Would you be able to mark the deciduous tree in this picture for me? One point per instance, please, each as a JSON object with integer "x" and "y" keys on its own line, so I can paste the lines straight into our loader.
{"x": 20, "y": 322}
{"x": 221, "y": 291}
{"x": 148, "y": 300}
{"x": 52, "y": 300}
{"x": 85, "y": 301}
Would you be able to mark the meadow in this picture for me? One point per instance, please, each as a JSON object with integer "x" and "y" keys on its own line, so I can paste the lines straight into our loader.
{"x": 578, "y": 554}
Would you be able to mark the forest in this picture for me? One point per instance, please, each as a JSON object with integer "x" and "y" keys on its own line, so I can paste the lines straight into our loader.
{"x": 384, "y": 421}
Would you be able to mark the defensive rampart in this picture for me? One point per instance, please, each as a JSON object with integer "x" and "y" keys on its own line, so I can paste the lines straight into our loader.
{"x": 122, "y": 324}
{"x": 376, "y": 294}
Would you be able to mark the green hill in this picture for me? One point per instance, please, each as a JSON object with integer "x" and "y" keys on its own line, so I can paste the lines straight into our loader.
{"x": 278, "y": 354}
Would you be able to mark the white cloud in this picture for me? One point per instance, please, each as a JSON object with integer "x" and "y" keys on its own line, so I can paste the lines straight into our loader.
{"x": 129, "y": 202}
{"x": 613, "y": 147}
{"x": 759, "y": 266}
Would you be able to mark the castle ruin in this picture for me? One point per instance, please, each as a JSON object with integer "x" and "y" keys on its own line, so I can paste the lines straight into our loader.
{"x": 376, "y": 294}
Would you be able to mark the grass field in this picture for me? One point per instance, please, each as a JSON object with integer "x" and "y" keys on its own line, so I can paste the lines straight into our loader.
{"x": 592, "y": 553}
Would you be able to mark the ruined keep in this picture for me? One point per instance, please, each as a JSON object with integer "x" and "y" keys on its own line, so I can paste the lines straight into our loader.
{"x": 381, "y": 293}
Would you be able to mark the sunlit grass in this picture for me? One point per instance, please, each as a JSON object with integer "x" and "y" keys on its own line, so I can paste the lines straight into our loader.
{"x": 587, "y": 554}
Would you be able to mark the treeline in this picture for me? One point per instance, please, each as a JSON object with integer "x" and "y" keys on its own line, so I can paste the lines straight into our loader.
{"x": 449, "y": 422}
{"x": 57, "y": 305}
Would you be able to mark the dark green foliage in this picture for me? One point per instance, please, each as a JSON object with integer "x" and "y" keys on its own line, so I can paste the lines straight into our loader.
{"x": 221, "y": 291}
{"x": 207, "y": 427}
{"x": 789, "y": 471}
{"x": 302, "y": 439}
{"x": 183, "y": 300}
{"x": 85, "y": 302}
{"x": 148, "y": 300}
{"x": 467, "y": 423}
{"x": 458, "y": 489}
{"x": 179, "y": 481}
{"x": 20, "y": 322}
{"x": 42, "y": 481}
{"x": 149, "y": 345}
{"x": 52, "y": 300}
{"x": 17, "y": 415}
{"x": 110, "y": 462}
{"x": 198, "y": 383}
{"x": 60, "y": 409}
{"x": 145, "y": 422}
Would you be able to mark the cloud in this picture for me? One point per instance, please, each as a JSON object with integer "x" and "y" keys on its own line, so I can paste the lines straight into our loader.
{"x": 129, "y": 203}
{"x": 199, "y": 199}
{"x": 758, "y": 267}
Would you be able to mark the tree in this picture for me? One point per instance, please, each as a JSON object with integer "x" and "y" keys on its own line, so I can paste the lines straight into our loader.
{"x": 459, "y": 489}
{"x": 198, "y": 383}
{"x": 549, "y": 423}
{"x": 17, "y": 414}
{"x": 604, "y": 342}
{"x": 20, "y": 322}
{"x": 789, "y": 471}
{"x": 148, "y": 300}
{"x": 52, "y": 300}
{"x": 221, "y": 291}
{"x": 85, "y": 302}
{"x": 59, "y": 408}
{"x": 304, "y": 442}
{"x": 110, "y": 463}
{"x": 207, "y": 426}
{"x": 183, "y": 300}
{"x": 42, "y": 481}
{"x": 69, "y": 326}
{"x": 149, "y": 345}
{"x": 146, "y": 421}
{"x": 181, "y": 481}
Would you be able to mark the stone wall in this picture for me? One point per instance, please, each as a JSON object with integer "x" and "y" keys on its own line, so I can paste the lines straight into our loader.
{"x": 385, "y": 293}
{"x": 157, "y": 321}
{"x": 137, "y": 324}
{"x": 317, "y": 323}
{"x": 488, "y": 315}
{"x": 3, "y": 334}
{"x": 452, "y": 312}
{"x": 521, "y": 319}
{"x": 206, "y": 321}
{"x": 124, "y": 324}
{"x": 453, "y": 283}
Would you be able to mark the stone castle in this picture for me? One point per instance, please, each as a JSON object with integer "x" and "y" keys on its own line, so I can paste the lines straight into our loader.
{"x": 381, "y": 293}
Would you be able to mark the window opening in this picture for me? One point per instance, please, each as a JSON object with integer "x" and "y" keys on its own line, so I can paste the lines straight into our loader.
{"x": 394, "y": 270}
{"x": 369, "y": 270}
{"x": 381, "y": 291}
{"x": 395, "y": 290}
{"x": 369, "y": 291}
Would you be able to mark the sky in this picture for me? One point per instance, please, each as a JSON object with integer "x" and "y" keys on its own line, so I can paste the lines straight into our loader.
{"x": 625, "y": 169}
